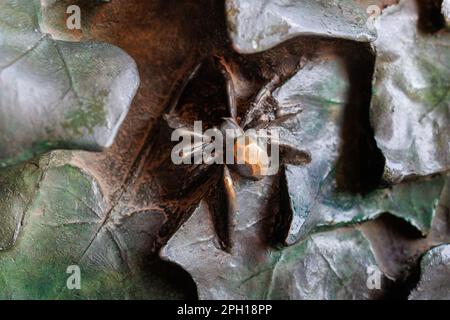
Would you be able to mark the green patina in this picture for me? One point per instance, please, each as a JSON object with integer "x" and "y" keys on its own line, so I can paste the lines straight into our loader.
{"x": 62, "y": 213}
{"x": 90, "y": 115}
{"x": 34, "y": 150}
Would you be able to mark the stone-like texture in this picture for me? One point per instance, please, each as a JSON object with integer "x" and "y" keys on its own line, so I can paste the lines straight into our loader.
{"x": 435, "y": 275}
{"x": 256, "y": 25}
{"x": 57, "y": 94}
{"x": 411, "y": 102}
{"x": 330, "y": 265}
{"x": 446, "y": 10}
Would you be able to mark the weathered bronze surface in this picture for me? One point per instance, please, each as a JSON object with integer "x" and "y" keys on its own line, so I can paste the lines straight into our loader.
{"x": 363, "y": 186}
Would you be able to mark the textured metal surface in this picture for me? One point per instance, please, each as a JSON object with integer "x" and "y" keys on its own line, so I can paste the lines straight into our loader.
{"x": 256, "y": 25}
{"x": 326, "y": 190}
{"x": 109, "y": 198}
{"x": 435, "y": 275}
{"x": 321, "y": 193}
{"x": 446, "y": 10}
{"x": 111, "y": 212}
{"x": 330, "y": 265}
{"x": 314, "y": 202}
{"x": 411, "y": 103}
{"x": 56, "y": 94}
{"x": 59, "y": 214}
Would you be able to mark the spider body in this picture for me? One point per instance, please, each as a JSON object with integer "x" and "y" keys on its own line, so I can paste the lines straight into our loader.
{"x": 250, "y": 156}
{"x": 248, "y": 139}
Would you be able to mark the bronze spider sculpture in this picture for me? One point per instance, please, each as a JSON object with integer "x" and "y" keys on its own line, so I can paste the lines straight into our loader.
{"x": 242, "y": 111}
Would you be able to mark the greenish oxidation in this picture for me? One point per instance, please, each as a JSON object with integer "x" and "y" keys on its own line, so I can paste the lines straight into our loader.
{"x": 8, "y": 24}
{"x": 343, "y": 263}
{"x": 410, "y": 109}
{"x": 327, "y": 265}
{"x": 17, "y": 185}
{"x": 328, "y": 207}
{"x": 316, "y": 199}
{"x": 89, "y": 116}
{"x": 295, "y": 259}
{"x": 99, "y": 82}
{"x": 437, "y": 95}
{"x": 52, "y": 214}
{"x": 62, "y": 209}
{"x": 319, "y": 250}
{"x": 39, "y": 12}
{"x": 30, "y": 153}
{"x": 331, "y": 91}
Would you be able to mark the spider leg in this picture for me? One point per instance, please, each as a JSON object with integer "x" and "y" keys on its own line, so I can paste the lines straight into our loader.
{"x": 293, "y": 155}
{"x": 231, "y": 92}
{"x": 176, "y": 122}
{"x": 171, "y": 118}
{"x": 278, "y": 120}
{"x": 231, "y": 206}
{"x": 194, "y": 149}
{"x": 222, "y": 203}
{"x": 179, "y": 88}
{"x": 266, "y": 93}
{"x": 289, "y": 153}
{"x": 232, "y": 105}
{"x": 257, "y": 106}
